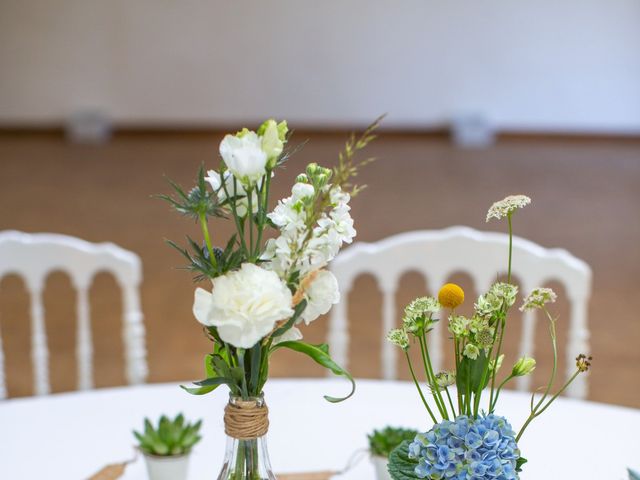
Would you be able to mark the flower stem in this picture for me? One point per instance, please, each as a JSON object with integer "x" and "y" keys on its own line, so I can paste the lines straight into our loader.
{"x": 431, "y": 377}
{"x": 453, "y": 409}
{"x": 207, "y": 240}
{"x": 510, "y": 247}
{"x": 537, "y": 412}
{"x": 415, "y": 380}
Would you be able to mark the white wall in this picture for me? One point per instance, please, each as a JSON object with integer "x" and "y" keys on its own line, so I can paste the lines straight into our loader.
{"x": 569, "y": 65}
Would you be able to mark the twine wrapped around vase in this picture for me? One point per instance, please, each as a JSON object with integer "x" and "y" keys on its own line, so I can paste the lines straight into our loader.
{"x": 246, "y": 419}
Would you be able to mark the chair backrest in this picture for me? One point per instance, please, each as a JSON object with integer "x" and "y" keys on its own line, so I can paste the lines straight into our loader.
{"x": 436, "y": 255}
{"x": 33, "y": 257}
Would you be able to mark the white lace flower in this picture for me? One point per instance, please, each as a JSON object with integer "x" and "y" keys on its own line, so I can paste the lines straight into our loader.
{"x": 243, "y": 155}
{"x": 244, "y": 305}
{"x": 507, "y": 205}
{"x": 321, "y": 295}
{"x": 538, "y": 298}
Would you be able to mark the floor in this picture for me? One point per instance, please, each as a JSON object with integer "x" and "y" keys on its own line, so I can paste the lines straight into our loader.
{"x": 586, "y": 198}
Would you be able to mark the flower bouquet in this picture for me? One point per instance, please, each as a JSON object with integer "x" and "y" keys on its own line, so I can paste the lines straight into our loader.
{"x": 467, "y": 441}
{"x": 263, "y": 290}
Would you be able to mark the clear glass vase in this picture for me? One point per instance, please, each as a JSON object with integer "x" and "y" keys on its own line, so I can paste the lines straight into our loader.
{"x": 246, "y": 459}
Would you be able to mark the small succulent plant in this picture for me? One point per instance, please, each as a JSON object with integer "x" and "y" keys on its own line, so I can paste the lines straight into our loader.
{"x": 382, "y": 442}
{"x": 170, "y": 438}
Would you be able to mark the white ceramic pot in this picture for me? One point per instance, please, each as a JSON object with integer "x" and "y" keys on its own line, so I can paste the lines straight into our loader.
{"x": 380, "y": 465}
{"x": 167, "y": 468}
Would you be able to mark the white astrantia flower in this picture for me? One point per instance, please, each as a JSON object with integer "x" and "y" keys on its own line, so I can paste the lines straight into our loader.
{"x": 321, "y": 295}
{"x": 242, "y": 202}
{"x": 243, "y": 155}
{"x": 538, "y": 298}
{"x": 244, "y": 305}
{"x": 399, "y": 337}
{"x": 507, "y": 206}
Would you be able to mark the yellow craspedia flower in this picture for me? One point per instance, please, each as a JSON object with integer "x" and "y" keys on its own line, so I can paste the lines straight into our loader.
{"x": 451, "y": 295}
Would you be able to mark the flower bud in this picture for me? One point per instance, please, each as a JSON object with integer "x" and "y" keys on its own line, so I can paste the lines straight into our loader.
{"x": 302, "y": 178}
{"x": 312, "y": 168}
{"x": 445, "y": 379}
{"x": 524, "y": 366}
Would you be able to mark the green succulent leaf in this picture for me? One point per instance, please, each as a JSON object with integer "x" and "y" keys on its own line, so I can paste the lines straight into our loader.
{"x": 170, "y": 437}
{"x": 401, "y": 467}
{"x": 320, "y": 355}
{"x": 383, "y": 442}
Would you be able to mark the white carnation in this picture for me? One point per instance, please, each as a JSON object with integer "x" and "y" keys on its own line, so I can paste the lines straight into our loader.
{"x": 244, "y": 156}
{"x": 244, "y": 305}
{"x": 320, "y": 295}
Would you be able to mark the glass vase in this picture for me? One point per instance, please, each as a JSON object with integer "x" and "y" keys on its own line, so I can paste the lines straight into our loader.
{"x": 246, "y": 458}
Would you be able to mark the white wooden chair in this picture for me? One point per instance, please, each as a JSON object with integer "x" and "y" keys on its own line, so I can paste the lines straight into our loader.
{"x": 34, "y": 257}
{"x": 439, "y": 253}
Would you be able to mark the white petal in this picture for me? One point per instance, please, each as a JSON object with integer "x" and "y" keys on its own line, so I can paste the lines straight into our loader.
{"x": 202, "y": 306}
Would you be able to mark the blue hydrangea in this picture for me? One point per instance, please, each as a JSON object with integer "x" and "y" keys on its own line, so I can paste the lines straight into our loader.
{"x": 467, "y": 449}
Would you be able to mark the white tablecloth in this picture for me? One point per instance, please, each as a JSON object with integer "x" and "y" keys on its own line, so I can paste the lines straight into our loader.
{"x": 70, "y": 436}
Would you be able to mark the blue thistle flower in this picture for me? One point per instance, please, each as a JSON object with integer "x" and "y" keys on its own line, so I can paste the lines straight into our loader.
{"x": 480, "y": 449}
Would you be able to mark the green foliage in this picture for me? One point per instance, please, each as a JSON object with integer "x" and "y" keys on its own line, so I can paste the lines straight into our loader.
{"x": 170, "y": 437}
{"x": 401, "y": 467}
{"x": 198, "y": 202}
{"x": 320, "y": 355}
{"x": 519, "y": 463}
{"x": 383, "y": 442}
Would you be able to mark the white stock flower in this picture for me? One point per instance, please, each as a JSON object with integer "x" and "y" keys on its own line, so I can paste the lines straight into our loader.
{"x": 242, "y": 203}
{"x": 301, "y": 191}
{"x": 321, "y": 295}
{"x": 507, "y": 205}
{"x": 294, "y": 250}
{"x": 244, "y": 157}
{"x": 244, "y": 305}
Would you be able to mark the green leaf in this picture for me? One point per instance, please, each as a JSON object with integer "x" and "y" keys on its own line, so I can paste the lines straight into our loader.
{"x": 401, "y": 467}
{"x": 203, "y": 390}
{"x": 520, "y": 462}
{"x": 472, "y": 371}
{"x": 209, "y": 382}
{"x": 296, "y": 314}
{"x": 633, "y": 475}
{"x": 320, "y": 355}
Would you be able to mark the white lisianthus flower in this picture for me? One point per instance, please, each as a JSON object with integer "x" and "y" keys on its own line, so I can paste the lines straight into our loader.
{"x": 321, "y": 295}
{"x": 242, "y": 203}
{"x": 273, "y": 136}
{"x": 244, "y": 157}
{"x": 244, "y": 305}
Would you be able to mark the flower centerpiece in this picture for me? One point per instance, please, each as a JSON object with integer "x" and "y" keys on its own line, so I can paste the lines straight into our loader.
{"x": 262, "y": 290}
{"x": 469, "y": 439}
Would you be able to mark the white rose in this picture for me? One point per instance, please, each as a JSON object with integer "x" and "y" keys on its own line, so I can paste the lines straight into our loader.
{"x": 320, "y": 295}
{"x": 244, "y": 156}
{"x": 244, "y": 305}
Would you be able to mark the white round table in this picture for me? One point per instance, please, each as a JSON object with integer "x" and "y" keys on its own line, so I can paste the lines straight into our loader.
{"x": 70, "y": 436}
